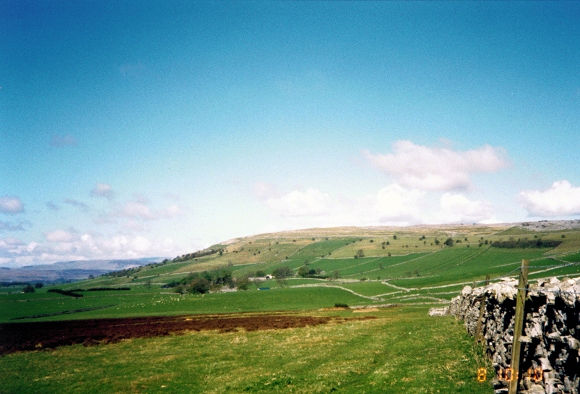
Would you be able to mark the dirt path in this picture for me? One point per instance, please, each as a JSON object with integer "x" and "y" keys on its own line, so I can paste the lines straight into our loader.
{"x": 374, "y": 298}
{"x": 399, "y": 287}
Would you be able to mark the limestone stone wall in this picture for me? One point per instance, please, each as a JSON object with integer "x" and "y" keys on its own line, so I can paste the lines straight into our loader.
{"x": 551, "y": 338}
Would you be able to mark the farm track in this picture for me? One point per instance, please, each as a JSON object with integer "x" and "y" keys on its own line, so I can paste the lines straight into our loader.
{"x": 374, "y": 298}
{"x": 39, "y": 335}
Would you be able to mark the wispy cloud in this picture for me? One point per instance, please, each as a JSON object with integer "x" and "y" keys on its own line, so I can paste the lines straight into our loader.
{"x": 560, "y": 199}
{"x": 135, "y": 213}
{"x": 442, "y": 169}
{"x": 103, "y": 190}
{"x": 19, "y": 226}
{"x": 77, "y": 204}
{"x": 63, "y": 140}
{"x": 136, "y": 210}
{"x": 60, "y": 236}
{"x": 51, "y": 205}
{"x": 264, "y": 191}
{"x": 11, "y": 205}
{"x": 310, "y": 202}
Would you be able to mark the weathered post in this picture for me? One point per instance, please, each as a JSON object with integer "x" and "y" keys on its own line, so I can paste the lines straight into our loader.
{"x": 518, "y": 326}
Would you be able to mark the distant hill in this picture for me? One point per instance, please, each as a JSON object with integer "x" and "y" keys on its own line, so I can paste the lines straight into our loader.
{"x": 65, "y": 271}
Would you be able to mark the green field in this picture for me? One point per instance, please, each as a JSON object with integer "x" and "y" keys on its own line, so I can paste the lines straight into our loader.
{"x": 386, "y": 354}
{"x": 402, "y": 350}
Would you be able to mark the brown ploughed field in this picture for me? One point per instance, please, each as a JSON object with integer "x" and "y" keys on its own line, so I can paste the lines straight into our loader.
{"x": 38, "y": 335}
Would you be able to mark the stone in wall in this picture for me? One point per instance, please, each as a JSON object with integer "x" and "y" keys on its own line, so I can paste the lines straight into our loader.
{"x": 551, "y": 336}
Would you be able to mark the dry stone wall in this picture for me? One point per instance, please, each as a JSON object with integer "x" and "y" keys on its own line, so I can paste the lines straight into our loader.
{"x": 550, "y": 350}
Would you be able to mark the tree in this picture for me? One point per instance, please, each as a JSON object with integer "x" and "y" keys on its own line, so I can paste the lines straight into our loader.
{"x": 243, "y": 283}
{"x": 38, "y": 285}
{"x": 359, "y": 253}
{"x": 28, "y": 289}
{"x": 282, "y": 272}
{"x": 449, "y": 242}
{"x": 199, "y": 286}
{"x": 303, "y": 271}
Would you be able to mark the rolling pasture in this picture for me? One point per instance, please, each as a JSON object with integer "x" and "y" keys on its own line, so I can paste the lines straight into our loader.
{"x": 391, "y": 275}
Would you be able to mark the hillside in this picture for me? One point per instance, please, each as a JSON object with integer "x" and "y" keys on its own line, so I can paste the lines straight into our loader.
{"x": 370, "y": 287}
{"x": 356, "y": 266}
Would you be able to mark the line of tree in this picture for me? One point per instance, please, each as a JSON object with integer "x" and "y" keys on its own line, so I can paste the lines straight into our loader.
{"x": 124, "y": 272}
{"x": 306, "y": 272}
{"x": 199, "y": 253}
{"x": 203, "y": 282}
{"x": 70, "y": 293}
{"x": 525, "y": 243}
{"x": 37, "y": 285}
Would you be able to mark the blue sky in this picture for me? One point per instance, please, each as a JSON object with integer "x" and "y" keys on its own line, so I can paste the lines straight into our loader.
{"x": 133, "y": 129}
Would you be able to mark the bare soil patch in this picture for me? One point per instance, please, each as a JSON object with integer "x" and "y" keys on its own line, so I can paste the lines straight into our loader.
{"x": 364, "y": 310}
{"x": 38, "y": 335}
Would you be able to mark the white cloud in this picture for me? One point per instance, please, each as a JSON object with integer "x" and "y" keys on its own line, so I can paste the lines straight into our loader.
{"x": 394, "y": 203}
{"x": 426, "y": 168}
{"x": 173, "y": 210}
{"x": 560, "y": 199}
{"x": 59, "y": 236}
{"x": 310, "y": 202}
{"x": 61, "y": 245}
{"x": 265, "y": 191}
{"x": 137, "y": 215}
{"x": 31, "y": 246}
{"x": 140, "y": 244}
{"x": 11, "y": 205}
{"x": 102, "y": 190}
{"x": 456, "y": 208}
{"x": 9, "y": 243}
{"x": 137, "y": 210}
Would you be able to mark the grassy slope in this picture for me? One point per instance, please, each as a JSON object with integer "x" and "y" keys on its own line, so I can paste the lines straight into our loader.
{"x": 381, "y": 356}
{"x": 438, "y": 272}
{"x": 400, "y": 351}
{"x": 150, "y": 302}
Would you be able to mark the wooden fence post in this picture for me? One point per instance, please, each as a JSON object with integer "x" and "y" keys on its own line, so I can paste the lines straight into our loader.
{"x": 518, "y": 326}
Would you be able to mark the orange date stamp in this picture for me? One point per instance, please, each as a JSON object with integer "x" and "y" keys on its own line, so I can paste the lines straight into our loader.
{"x": 508, "y": 374}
